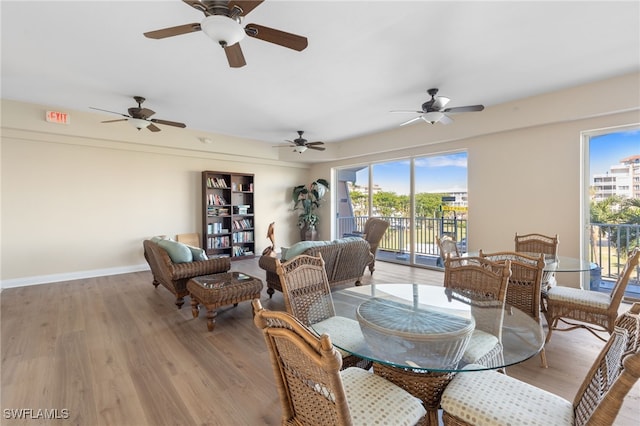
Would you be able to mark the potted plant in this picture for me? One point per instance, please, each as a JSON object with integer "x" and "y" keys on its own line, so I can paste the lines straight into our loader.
{"x": 306, "y": 198}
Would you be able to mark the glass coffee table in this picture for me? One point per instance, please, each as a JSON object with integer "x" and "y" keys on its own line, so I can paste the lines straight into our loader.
{"x": 216, "y": 290}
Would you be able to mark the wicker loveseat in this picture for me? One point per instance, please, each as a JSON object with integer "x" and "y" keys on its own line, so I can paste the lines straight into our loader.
{"x": 345, "y": 260}
{"x": 174, "y": 276}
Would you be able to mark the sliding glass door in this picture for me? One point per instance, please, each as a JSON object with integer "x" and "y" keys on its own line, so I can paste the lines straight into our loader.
{"x": 421, "y": 197}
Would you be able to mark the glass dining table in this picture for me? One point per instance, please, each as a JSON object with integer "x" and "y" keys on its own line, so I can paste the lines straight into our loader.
{"x": 417, "y": 334}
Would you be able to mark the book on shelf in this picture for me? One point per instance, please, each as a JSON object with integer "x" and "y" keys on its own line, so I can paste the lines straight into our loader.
{"x": 216, "y": 182}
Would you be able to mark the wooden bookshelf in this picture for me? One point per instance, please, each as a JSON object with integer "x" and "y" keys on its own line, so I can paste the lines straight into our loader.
{"x": 228, "y": 215}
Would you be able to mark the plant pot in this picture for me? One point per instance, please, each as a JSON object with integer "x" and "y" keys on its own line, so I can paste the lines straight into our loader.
{"x": 308, "y": 233}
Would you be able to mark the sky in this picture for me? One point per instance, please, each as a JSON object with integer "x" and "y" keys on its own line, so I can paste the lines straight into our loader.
{"x": 607, "y": 150}
{"x": 448, "y": 173}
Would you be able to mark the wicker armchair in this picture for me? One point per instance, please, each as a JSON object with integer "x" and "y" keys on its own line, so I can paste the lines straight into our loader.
{"x": 596, "y": 311}
{"x": 448, "y": 247}
{"x": 523, "y": 291}
{"x": 480, "y": 282}
{"x": 174, "y": 276}
{"x": 313, "y": 390}
{"x": 374, "y": 229}
{"x": 467, "y": 398}
{"x": 307, "y": 296}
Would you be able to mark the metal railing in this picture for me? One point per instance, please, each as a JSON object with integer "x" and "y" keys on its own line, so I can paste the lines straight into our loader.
{"x": 609, "y": 242}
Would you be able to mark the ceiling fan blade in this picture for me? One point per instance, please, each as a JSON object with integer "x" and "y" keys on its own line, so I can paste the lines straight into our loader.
{"x": 245, "y": 6}
{"x": 168, "y": 123}
{"x": 111, "y": 112}
{"x": 281, "y": 38}
{"x": 440, "y": 102}
{"x": 411, "y": 121}
{"x": 198, "y": 6}
{"x": 143, "y": 113}
{"x": 314, "y": 143}
{"x": 317, "y": 148}
{"x": 114, "y": 121}
{"x": 445, "y": 119}
{"x": 407, "y": 111}
{"x": 173, "y": 31}
{"x": 153, "y": 127}
{"x": 146, "y": 112}
{"x": 235, "y": 56}
{"x": 469, "y": 108}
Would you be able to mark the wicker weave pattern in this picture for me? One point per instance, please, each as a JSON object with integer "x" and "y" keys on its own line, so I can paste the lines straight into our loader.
{"x": 583, "y": 305}
{"x": 307, "y": 295}
{"x": 311, "y": 387}
{"x": 174, "y": 276}
{"x": 448, "y": 247}
{"x": 598, "y": 401}
{"x": 537, "y": 243}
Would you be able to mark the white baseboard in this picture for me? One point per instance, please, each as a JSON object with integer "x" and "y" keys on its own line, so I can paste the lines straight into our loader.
{"x": 69, "y": 276}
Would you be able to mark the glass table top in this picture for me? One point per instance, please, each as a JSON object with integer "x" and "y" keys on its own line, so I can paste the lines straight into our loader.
{"x": 423, "y": 327}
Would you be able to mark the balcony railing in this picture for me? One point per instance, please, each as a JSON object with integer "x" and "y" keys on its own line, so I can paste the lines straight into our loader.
{"x": 609, "y": 244}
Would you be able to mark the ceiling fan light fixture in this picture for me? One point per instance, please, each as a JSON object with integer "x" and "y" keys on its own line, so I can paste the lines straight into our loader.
{"x": 432, "y": 117}
{"x": 222, "y": 29}
{"x": 138, "y": 123}
{"x": 300, "y": 149}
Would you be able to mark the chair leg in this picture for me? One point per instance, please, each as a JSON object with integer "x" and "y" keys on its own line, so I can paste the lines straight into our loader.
{"x": 543, "y": 359}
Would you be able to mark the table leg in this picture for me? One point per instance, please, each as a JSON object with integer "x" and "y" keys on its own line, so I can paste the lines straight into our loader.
{"x": 194, "y": 307}
{"x": 424, "y": 385}
{"x": 211, "y": 319}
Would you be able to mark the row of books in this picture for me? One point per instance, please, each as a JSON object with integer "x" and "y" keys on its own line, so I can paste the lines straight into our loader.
{"x": 242, "y": 224}
{"x": 220, "y": 211}
{"x": 243, "y": 237}
{"x": 218, "y": 242}
{"x": 245, "y": 187}
{"x": 242, "y": 251}
{"x": 216, "y": 200}
{"x": 216, "y": 228}
{"x": 216, "y": 182}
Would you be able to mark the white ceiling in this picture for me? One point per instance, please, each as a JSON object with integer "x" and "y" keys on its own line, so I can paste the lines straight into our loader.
{"x": 364, "y": 59}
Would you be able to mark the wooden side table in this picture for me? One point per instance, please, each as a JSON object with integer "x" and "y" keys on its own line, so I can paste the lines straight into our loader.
{"x": 214, "y": 291}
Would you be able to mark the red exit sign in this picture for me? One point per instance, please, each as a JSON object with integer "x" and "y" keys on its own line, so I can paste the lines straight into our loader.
{"x": 58, "y": 117}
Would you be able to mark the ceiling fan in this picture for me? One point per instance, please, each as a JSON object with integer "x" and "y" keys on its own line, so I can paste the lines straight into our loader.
{"x": 434, "y": 111}
{"x": 138, "y": 117}
{"x": 222, "y": 23}
{"x": 300, "y": 144}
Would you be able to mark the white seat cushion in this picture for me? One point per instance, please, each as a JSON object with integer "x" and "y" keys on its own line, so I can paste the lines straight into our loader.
{"x": 373, "y": 400}
{"x": 344, "y": 331}
{"x": 579, "y": 296}
{"x": 491, "y": 398}
{"x": 480, "y": 344}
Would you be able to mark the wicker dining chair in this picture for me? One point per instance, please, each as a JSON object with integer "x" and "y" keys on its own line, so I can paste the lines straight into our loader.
{"x": 314, "y": 391}
{"x": 448, "y": 247}
{"x": 595, "y": 311}
{"x": 487, "y": 397}
{"x": 523, "y": 291}
{"x": 481, "y": 281}
{"x": 540, "y": 243}
{"x": 307, "y": 296}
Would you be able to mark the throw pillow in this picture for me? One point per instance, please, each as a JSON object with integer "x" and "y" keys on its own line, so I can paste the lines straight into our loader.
{"x": 178, "y": 252}
{"x": 197, "y": 253}
{"x": 301, "y": 247}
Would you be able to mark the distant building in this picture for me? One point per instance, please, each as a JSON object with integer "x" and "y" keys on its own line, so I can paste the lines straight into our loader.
{"x": 622, "y": 179}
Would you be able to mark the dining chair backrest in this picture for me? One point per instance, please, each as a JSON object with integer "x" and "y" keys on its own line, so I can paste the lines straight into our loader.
{"x": 523, "y": 291}
{"x": 600, "y": 396}
{"x": 477, "y": 278}
{"x": 307, "y": 370}
{"x": 617, "y": 292}
{"x": 448, "y": 247}
{"x": 537, "y": 243}
{"x": 305, "y": 287}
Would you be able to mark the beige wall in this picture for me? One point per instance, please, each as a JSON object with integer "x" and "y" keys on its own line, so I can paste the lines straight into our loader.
{"x": 77, "y": 200}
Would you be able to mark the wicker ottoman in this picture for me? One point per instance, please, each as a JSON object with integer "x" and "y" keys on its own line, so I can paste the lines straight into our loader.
{"x": 223, "y": 289}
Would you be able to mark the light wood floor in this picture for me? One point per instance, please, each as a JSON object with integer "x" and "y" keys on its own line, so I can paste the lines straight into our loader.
{"x": 115, "y": 351}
